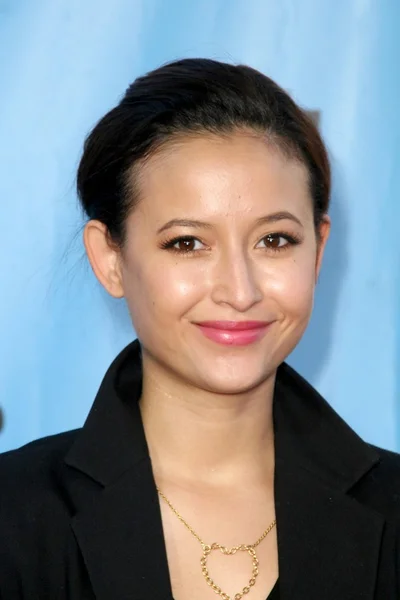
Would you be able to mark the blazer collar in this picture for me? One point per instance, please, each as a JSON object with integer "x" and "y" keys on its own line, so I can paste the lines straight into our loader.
{"x": 117, "y": 518}
{"x": 328, "y": 543}
{"x": 311, "y": 435}
{"x": 112, "y": 440}
{"x": 308, "y": 432}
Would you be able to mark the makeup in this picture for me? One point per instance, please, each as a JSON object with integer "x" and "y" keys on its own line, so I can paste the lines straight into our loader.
{"x": 234, "y": 333}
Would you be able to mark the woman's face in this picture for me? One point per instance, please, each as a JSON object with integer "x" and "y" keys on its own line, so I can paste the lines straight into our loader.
{"x": 221, "y": 260}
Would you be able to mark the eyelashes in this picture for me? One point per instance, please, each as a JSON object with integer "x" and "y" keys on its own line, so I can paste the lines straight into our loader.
{"x": 187, "y": 242}
{"x": 274, "y": 241}
{"x": 188, "y": 245}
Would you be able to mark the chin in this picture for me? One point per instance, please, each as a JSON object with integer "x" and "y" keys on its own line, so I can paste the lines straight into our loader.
{"x": 233, "y": 378}
{"x": 232, "y": 386}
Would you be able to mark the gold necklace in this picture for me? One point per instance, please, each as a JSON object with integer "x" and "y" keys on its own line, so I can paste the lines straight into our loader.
{"x": 208, "y": 548}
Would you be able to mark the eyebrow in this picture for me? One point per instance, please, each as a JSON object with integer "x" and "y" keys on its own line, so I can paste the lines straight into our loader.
{"x": 279, "y": 216}
{"x": 184, "y": 223}
{"x": 272, "y": 218}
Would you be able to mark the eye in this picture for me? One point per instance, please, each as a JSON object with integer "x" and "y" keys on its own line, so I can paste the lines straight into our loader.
{"x": 276, "y": 241}
{"x": 183, "y": 245}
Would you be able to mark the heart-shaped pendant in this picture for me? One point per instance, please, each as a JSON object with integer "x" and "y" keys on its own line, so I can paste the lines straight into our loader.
{"x": 229, "y": 552}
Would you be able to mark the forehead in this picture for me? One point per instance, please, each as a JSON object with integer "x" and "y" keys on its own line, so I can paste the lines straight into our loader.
{"x": 230, "y": 176}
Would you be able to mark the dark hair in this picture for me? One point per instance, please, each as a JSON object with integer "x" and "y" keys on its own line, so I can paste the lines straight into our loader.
{"x": 191, "y": 95}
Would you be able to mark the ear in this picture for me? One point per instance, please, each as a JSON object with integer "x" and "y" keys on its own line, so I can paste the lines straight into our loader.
{"x": 104, "y": 257}
{"x": 323, "y": 235}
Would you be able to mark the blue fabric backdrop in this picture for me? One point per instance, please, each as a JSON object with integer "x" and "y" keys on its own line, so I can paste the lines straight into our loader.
{"x": 63, "y": 63}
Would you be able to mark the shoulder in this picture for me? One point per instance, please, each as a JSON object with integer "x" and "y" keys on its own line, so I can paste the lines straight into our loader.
{"x": 380, "y": 487}
{"x": 389, "y": 461}
{"x": 387, "y": 472}
{"x": 34, "y": 460}
{"x": 34, "y": 518}
{"x": 375, "y": 471}
{"x": 30, "y": 475}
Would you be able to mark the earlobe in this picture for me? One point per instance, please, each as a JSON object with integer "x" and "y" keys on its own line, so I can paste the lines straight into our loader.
{"x": 104, "y": 257}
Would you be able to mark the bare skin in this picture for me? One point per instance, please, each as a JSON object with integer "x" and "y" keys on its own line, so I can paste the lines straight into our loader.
{"x": 206, "y": 406}
{"x": 199, "y": 473}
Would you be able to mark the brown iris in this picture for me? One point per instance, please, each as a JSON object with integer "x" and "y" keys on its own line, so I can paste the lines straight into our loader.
{"x": 272, "y": 241}
{"x": 186, "y": 245}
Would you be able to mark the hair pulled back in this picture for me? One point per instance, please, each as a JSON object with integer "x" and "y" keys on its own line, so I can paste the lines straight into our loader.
{"x": 191, "y": 96}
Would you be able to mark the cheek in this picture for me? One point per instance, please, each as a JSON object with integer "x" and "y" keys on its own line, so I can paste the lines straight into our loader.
{"x": 291, "y": 284}
{"x": 161, "y": 289}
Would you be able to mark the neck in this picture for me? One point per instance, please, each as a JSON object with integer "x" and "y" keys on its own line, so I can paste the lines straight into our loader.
{"x": 203, "y": 438}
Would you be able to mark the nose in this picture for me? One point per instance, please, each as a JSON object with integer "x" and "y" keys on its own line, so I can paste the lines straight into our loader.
{"x": 235, "y": 282}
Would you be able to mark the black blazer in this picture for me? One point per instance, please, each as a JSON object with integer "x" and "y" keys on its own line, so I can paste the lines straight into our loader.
{"x": 80, "y": 515}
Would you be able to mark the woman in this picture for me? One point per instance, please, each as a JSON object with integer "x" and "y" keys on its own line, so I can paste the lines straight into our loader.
{"x": 206, "y": 466}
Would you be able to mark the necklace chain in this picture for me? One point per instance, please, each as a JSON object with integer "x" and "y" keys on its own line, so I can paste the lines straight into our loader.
{"x": 207, "y": 548}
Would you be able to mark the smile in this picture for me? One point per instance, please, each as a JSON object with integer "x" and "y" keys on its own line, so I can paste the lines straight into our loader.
{"x": 233, "y": 333}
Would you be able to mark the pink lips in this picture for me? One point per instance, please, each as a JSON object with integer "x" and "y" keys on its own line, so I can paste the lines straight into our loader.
{"x": 234, "y": 333}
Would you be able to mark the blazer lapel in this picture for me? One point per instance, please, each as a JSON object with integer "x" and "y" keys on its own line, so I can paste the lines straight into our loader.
{"x": 328, "y": 543}
{"x": 117, "y": 521}
{"x": 121, "y": 540}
